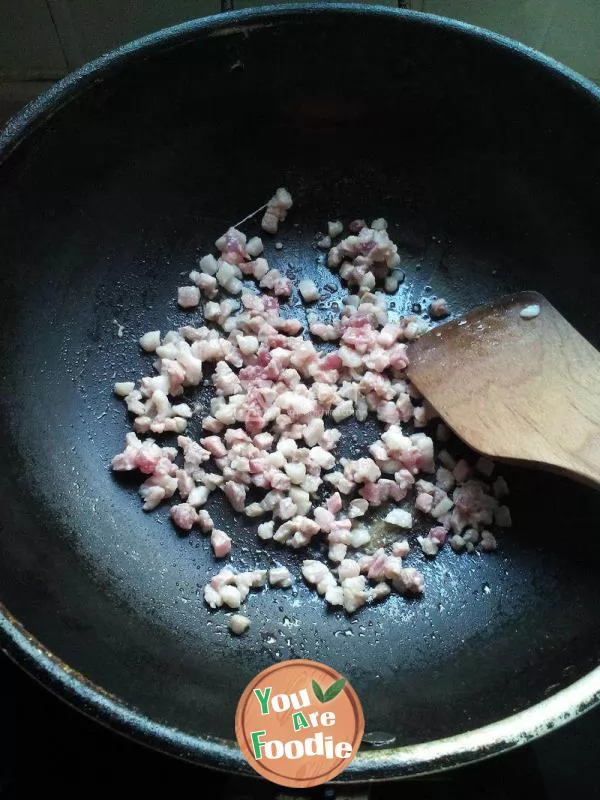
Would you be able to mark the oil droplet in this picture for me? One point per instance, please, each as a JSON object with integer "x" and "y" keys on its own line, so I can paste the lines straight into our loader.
{"x": 379, "y": 739}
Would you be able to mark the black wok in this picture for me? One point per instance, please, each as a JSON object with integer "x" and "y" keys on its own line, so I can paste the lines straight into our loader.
{"x": 484, "y": 156}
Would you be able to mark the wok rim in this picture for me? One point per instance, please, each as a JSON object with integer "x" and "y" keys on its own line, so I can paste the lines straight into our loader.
{"x": 383, "y": 764}
{"x": 84, "y": 695}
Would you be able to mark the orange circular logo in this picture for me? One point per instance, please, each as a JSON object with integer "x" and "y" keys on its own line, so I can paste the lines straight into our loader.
{"x": 299, "y": 723}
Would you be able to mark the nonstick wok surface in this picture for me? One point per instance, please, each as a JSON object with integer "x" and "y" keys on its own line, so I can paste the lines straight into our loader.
{"x": 485, "y": 161}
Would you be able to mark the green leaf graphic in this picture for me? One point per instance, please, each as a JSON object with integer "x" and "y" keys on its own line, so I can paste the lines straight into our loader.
{"x": 318, "y": 692}
{"x": 334, "y": 690}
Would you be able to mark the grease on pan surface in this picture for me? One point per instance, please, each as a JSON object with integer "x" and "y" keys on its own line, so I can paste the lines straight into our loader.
{"x": 282, "y": 389}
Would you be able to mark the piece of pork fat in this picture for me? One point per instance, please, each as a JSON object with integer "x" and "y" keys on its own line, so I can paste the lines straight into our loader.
{"x": 280, "y": 577}
{"x": 364, "y": 257}
{"x": 238, "y": 624}
{"x": 318, "y": 575}
{"x": 269, "y": 442}
{"x": 409, "y": 581}
{"x": 308, "y": 291}
{"x": 221, "y": 543}
{"x": 227, "y": 589}
{"x": 354, "y": 592}
{"x": 379, "y": 592}
{"x": 184, "y": 516}
{"x": 276, "y": 210}
{"x": 438, "y": 308}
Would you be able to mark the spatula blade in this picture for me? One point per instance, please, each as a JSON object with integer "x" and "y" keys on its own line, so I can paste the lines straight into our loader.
{"x": 515, "y": 388}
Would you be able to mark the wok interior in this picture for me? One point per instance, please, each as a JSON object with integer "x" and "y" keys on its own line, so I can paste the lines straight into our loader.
{"x": 486, "y": 166}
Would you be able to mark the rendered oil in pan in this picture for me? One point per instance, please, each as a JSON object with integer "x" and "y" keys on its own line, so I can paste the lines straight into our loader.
{"x": 106, "y": 203}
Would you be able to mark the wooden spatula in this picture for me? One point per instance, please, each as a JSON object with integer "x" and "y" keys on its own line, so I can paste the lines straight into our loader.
{"x": 518, "y": 389}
